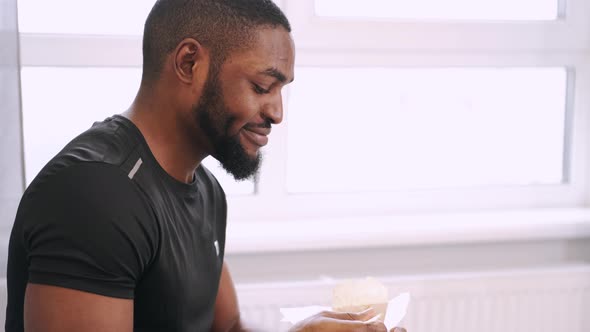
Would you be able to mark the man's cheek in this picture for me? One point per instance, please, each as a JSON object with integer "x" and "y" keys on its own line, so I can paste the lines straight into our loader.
{"x": 234, "y": 127}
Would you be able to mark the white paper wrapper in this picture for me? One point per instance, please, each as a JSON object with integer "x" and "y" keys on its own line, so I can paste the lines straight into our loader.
{"x": 396, "y": 310}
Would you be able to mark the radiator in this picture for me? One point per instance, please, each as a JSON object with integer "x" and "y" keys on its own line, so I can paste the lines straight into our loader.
{"x": 551, "y": 300}
{"x": 537, "y": 300}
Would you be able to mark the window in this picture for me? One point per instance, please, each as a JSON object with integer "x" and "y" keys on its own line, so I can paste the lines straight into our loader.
{"x": 441, "y": 10}
{"x": 415, "y": 106}
{"x": 124, "y": 17}
{"x": 395, "y": 129}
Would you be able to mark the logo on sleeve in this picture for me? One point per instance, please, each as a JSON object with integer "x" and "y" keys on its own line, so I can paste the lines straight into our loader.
{"x": 216, "y": 244}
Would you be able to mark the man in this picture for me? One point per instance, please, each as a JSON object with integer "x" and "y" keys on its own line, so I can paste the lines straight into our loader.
{"x": 124, "y": 230}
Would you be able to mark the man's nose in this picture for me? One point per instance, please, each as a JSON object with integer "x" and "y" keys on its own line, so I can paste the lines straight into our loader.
{"x": 273, "y": 111}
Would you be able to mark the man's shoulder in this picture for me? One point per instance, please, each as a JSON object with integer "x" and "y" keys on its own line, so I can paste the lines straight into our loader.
{"x": 75, "y": 179}
{"x": 109, "y": 141}
{"x": 106, "y": 145}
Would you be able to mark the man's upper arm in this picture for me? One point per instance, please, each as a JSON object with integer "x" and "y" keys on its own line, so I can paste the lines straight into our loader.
{"x": 88, "y": 237}
{"x": 57, "y": 309}
{"x": 227, "y": 313}
{"x": 88, "y": 229}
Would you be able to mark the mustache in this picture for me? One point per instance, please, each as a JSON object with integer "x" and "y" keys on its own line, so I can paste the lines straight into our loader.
{"x": 265, "y": 124}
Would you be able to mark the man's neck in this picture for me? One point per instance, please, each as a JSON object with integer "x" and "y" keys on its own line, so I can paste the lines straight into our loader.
{"x": 167, "y": 137}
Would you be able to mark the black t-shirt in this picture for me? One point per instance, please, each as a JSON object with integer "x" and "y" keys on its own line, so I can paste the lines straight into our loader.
{"x": 104, "y": 217}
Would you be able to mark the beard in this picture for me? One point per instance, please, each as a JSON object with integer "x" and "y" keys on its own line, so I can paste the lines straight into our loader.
{"x": 215, "y": 121}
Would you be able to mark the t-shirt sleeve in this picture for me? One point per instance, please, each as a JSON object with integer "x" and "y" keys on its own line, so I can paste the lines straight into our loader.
{"x": 90, "y": 228}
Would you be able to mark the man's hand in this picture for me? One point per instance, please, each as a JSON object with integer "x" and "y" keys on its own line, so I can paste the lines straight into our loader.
{"x": 227, "y": 315}
{"x": 329, "y": 321}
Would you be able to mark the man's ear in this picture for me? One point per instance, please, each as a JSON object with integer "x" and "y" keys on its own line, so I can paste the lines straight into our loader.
{"x": 189, "y": 56}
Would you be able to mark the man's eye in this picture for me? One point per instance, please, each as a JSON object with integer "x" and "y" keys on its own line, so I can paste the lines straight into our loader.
{"x": 259, "y": 90}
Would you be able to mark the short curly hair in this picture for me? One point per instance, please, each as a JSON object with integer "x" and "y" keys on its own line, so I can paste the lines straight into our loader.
{"x": 220, "y": 25}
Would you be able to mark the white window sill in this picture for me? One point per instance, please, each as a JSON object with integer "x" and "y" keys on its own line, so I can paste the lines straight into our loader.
{"x": 407, "y": 230}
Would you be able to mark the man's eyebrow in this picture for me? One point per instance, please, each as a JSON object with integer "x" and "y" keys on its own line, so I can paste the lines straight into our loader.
{"x": 274, "y": 72}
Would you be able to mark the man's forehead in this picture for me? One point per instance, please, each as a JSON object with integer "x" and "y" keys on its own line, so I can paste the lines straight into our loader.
{"x": 272, "y": 53}
{"x": 277, "y": 74}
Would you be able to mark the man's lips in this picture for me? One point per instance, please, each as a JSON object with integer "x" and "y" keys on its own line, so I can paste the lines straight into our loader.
{"x": 259, "y": 129}
{"x": 257, "y": 135}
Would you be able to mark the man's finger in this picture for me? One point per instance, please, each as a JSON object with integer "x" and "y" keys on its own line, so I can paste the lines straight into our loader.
{"x": 353, "y": 326}
{"x": 398, "y": 329}
{"x": 359, "y": 316}
{"x": 375, "y": 327}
